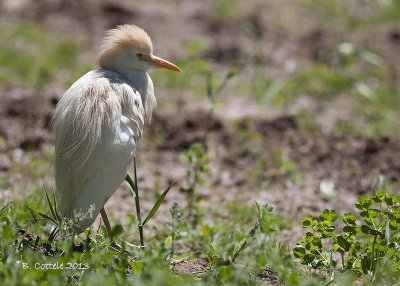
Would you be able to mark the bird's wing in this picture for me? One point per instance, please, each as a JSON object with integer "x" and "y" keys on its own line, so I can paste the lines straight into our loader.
{"x": 98, "y": 124}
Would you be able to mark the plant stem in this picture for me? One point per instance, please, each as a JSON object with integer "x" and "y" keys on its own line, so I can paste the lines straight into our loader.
{"x": 211, "y": 100}
{"x": 373, "y": 252}
{"x": 134, "y": 186}
{"x": 211, "y": 94}
{"x": 137, "y": 201}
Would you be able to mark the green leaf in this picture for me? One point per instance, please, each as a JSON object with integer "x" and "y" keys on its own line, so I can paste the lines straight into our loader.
{"x": 187, "y": 190}
{"x": 365, "y": 214}
{"x": 206, "y": 230}
{"x": 136, "y": 267}
{"x": 314, "y": 248}
{"x": 116, "y": 230}
{"x": 348, "y": 218}
{"x": 309, "y": 236}
{"x": 53, "y": 234}
{"x": 343, "y": 243}
{"x": 380, "y": 194}
{"x": 55, "y": 207}
{"x": 390, "y": 199}
{"x": 377, "y": 200}
{"x": 364, "y": 203}
{"x": 307, "y": 221}
{"x": 299, "y": 252}
{"x": 307, "y": 259}
{"x": 157, "y": 204}
{"x": 131, "y": 184}
{"x": 328, "y": 215}
{"x": 312, "y": 240}
{"x": 238, "y": 235}
{"x": 258, "y": 207}
{"x": 183, "y": 256}
{"x": 132, "y": 218}
{"x": 52, "y": 210}
{"x": 37, "y": 241}
{"x": 325, "y": 215}
{"x": 241, "y": 248}
{"x": 330, "y": 229}
{"x": 168, "y": 241}
{"x": 262, "y": 261}
{"x": 215, "y": 262}
{"x": 368, "y": 263}
{"x": 50, "y": 205}
{"x": 369, "y": 230}
{"x": 366, "y": 229}
{"x": 41, "y": 214}
{"x": 7, "y": 232}
{"x": 350, "y": 229}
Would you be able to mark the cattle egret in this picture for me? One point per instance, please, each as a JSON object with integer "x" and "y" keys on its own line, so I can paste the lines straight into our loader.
{"x": 99, "y": 123}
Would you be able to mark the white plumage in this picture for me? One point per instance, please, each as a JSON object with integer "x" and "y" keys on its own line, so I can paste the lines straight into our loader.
{"x": 99, "y": 123}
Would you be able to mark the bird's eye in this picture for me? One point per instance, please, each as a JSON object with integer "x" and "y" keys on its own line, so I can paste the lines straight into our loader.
{"x": 139, "y": 55}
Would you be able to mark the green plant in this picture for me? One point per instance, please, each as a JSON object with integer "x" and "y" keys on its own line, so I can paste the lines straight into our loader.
{"x": 225, "y": 8}
{"x": 198, "y": 161}
{"x": 212, "y": 94}
{"x": 174, "y": 230}
{"x": 135, "y": 193}
{"x": 366, "y": 247}
{"x": 285, "y": 166}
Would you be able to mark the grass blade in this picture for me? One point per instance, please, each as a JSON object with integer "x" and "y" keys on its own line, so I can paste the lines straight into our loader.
{"x": 37, "y": 241}
{"x": 55, "y": 207}
{"x": 157, "y": 204}
{"x": 53, "y": 234}
{"x": 131, "y": 185}
{"x": 3, "y": 208}
{"x": 183, "y": 257}
{"x": 242, "y": 247}
{"x": 50, "y": 205}
{"x": 135, "y": 189}
{"x": 34, "y": 217}
{"x": 41, "y": 214}
{"x": 258, "y": 208}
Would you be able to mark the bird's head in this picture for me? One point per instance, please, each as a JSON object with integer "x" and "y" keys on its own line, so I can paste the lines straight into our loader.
{"x": 128, "y": 47}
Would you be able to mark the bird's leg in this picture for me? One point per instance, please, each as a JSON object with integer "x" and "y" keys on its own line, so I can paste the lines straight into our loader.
{"x": 105, "y": 219}
{"x": 108, "y": 227}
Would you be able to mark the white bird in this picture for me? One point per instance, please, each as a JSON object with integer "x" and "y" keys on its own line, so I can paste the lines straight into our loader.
{"x": 99, "y": 123}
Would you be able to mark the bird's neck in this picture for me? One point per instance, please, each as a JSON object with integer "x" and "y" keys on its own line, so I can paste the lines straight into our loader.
{"x": 120, "y": 64}
{"x": 138, "y": 79}
{"x": 141, "y": 81}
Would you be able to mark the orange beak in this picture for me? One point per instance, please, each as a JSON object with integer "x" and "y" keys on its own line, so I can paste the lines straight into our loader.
{"x": 159, "y": 62}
